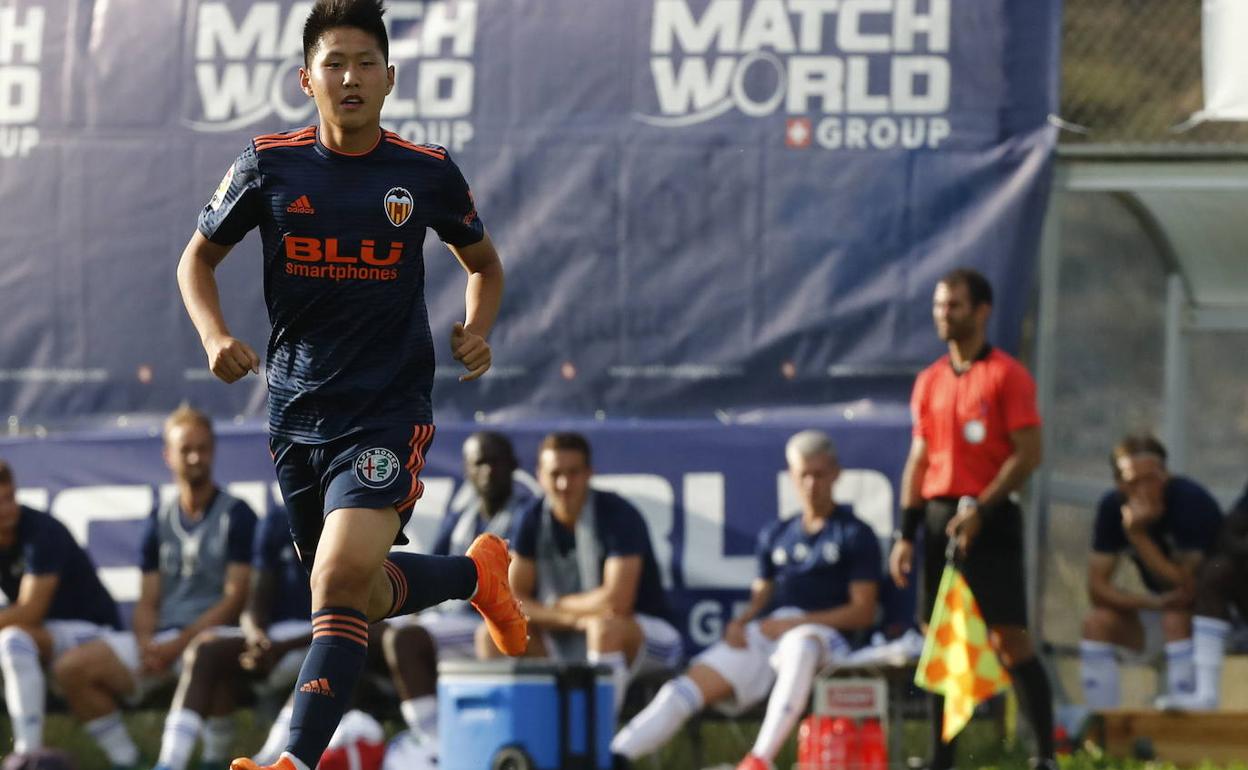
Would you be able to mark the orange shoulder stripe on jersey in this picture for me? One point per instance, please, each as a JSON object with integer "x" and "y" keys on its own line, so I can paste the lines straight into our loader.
{"x": 392, "y": 139}
{"x": 298, "y": 143}
{"x": 284, "y": 134}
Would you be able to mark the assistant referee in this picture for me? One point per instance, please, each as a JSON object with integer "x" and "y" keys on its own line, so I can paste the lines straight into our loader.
{"x": 976, "y": 440}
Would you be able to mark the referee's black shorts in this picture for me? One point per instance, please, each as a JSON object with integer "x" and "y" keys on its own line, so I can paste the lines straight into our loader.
{"x": 993, "y": 568}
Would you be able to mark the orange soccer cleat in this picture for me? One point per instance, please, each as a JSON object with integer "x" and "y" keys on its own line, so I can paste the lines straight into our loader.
{"x": 508, "y": 626}
{"x": 245, "y": 763}
{"x": 755, "y": 762}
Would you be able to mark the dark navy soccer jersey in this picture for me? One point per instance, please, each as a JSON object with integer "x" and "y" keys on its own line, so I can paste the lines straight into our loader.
{"x": 275, "y": 552}
{"x": 452, "y": 532}
{"x": 621, "y": 531}
{"x": 344, "y": 274}
{"x": 813, "y": 571}
{"x": 45, "y": 547}
{"x": 1190, "y": 521}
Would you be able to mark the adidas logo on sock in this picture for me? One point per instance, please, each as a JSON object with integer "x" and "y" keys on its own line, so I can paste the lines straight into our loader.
{"x": 301, "y": 205}
{"x": 317, "y": 687}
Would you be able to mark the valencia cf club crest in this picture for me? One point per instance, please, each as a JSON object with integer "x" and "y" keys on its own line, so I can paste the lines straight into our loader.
{"x": 398, "y": 205}
{"x": 376, "y": 467}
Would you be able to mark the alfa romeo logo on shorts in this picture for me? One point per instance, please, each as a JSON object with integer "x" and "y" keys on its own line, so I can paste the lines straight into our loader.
{"x": 376, "y": 467}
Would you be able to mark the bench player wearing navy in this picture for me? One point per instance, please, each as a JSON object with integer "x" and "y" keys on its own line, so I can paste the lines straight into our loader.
{"x": 818, "y": 576}
{"x": 195, "y": 559}
{"x": 342, "y": 209}
{"x": 56, "y": 602}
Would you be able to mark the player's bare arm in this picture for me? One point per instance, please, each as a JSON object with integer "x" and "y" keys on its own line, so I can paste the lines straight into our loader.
{"x": 34, "y": 597}
{"x": 857, "y": 613}
{"x": 229, "y": 358}
{"x": 482, "y": 298}
{"x": 523, "y": 577}
{"x": 761, "y": 591}
{"x": 901, "y": 558}
{"x": 1103, "y": 593}
{"x": 616, "y": 596}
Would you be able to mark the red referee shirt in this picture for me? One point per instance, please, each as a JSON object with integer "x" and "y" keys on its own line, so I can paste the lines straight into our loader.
{"x": 966, "y": 420}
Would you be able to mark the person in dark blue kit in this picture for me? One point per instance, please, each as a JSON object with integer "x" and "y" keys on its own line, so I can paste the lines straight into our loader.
{"x": 1168, "y": 525}
{"x": 342, "y": 208}
{"x": 195, "y": 558}
{"x": 584, "y": 565}
{"x": 1221, "y": 585}
{"x": 818, "y": 577}
{"x": 56, "y": 603}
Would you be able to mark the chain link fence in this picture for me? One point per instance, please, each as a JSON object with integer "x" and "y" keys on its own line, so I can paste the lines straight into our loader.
{"x": 1131, "y": 74}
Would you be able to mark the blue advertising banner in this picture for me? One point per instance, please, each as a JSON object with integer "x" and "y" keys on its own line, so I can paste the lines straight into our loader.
{"x": 705, "y": 491}
{"x": 702, "y": 205}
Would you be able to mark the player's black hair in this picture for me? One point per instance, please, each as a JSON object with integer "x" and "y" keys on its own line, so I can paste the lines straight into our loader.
{"x": 6, "y": 474}
{"x": 1136, "y": 444}
{"x": 978, "y": 290}
{"x": 567, "y": 440}
{"x": 498, "y": 440}
{"x": 362, "y": 14}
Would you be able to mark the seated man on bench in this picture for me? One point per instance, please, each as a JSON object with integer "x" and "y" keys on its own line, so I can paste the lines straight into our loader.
{"x": 1167, "y": 524}
{"x": 818, "y": 577}
{"x": 1221, "y": 584}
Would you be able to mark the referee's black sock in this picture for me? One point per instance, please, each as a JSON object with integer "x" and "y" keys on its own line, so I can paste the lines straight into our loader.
{"x": 1035, "y": 698}
{"x": 942, "y": 753}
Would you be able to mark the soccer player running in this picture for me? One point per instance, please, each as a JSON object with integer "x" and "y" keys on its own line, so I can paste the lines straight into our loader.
{"x": 976, "y": 440}
{"x": 342, "y": 208}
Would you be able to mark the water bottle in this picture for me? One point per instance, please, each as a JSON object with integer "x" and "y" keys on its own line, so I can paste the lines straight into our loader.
{"x": 808, "y": 743}
{"x": 839, "y": 751}
{"x": 874, "y": 748}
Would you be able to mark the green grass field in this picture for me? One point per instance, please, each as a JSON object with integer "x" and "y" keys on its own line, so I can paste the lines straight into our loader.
{"x": 980, "y": 747}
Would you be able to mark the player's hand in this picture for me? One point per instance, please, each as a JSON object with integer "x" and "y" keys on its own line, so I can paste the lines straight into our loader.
{"x": 1138, "y": 513}
{"x": 964, "y": 526}
{"x": 471, "y": 350}
{"x": 772, "y": 628}
{"x": 159, "y": 656}
{"x": 230, "y": 359}
{"x": 1178, "y": 599}
{"x": 734, "y": 634}
{"x": 901, "y": 562}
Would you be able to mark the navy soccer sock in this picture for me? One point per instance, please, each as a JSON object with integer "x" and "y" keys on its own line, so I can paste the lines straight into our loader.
{"x": 419, "y": 581}
{"x": 327, "y": 679}
{"x": 1035, "y": 698}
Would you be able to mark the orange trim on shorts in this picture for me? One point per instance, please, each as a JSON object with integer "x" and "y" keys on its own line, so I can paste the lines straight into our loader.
{"x": 422, "y": 437}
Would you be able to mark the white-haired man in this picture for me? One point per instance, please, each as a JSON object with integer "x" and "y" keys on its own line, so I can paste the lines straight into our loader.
{"x": 818, "y": 576}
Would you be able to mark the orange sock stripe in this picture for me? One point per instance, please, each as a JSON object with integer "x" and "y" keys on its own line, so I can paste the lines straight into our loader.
{"x": 398, "y": 582}
{"x": 362, "y": 640}
{"x": 342, "y": 619}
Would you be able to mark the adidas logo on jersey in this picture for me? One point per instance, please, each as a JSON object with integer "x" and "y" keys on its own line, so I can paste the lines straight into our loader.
{"x": 317, "y": 687}
{"x": 301, "y": 205}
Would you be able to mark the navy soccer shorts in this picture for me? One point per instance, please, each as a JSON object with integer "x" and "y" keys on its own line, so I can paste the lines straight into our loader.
{"x": 378, "y": 468}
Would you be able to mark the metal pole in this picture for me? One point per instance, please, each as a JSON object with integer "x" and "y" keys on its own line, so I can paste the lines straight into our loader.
{"x": 1046, "y": 377}
{"x": 1174, "y": 396}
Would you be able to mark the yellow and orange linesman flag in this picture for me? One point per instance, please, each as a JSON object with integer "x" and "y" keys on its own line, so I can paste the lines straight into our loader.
{"x": 957, "y": 661}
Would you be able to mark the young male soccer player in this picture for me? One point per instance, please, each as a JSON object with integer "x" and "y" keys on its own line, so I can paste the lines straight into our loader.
{"x": 342, "y": 208}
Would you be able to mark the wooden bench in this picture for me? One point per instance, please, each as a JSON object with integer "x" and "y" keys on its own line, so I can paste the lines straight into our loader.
{"x": 1184, "y": 738}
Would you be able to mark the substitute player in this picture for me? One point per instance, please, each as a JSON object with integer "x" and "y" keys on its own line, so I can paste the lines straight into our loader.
{"x": 818, "y": 576}
{"x": 342, "y": 209}
{"x": 976, "y": 440}
{"x": 56, "y": 602}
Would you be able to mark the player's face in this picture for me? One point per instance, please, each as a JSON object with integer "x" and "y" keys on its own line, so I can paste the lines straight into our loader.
{"x": 8, "y": 506}
{"x": 188, "y": 453}
{"x": 813, "y": 477}
{"x": 955, "y": 318}
{"x": 1142, "y": 476}
{"x": 488, "y": 466}
{"x": 564, "y": 476}
{"x": 349, "y": 78}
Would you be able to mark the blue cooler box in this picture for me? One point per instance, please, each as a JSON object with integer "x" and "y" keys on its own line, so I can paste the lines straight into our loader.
{"x": 528, "y": 714}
